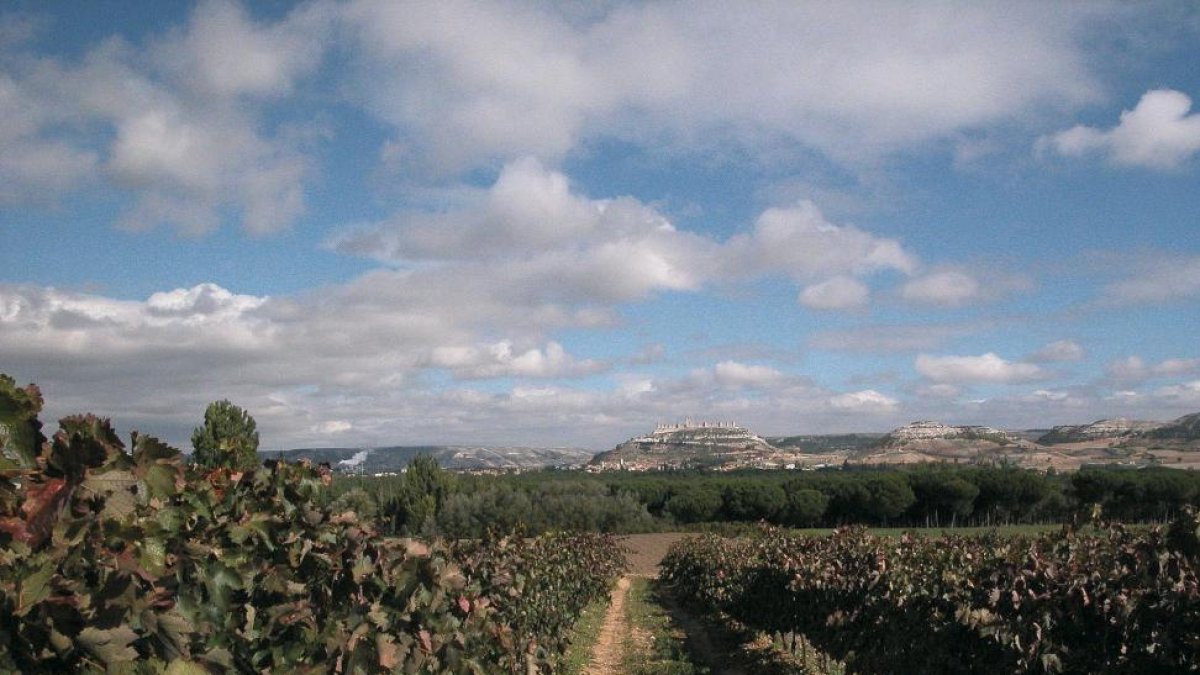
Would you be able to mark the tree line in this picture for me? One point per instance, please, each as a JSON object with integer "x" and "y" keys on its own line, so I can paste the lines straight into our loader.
{"x": 428, "y": 500}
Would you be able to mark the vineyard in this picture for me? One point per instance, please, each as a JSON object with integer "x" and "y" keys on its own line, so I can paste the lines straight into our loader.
{"x": 1115, "y": 602}
{"x": 130, "y": 560}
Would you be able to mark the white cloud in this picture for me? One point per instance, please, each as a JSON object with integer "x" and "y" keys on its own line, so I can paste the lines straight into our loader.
{"x": 531, "y": 234}
{"x": 734, "y": 374}
{"x": 178, "y": 125}
{"x": 482, "y": 81}
{"x": 800, "y": 242}
{"x": 1135, "y": 369}
{"x": 1186, "y": 394}
{"x": 1176, "y": 367}
{"x": 1058, "y": 351}
{"x": 338, "y": 427}
{"x": 1128, "y": 369}
{"x": 35, "y": 165}
{"x": 967, "y": 369}
{"x": 222, "y": 52}
{"x": 836, "y": 293}
{"x": 949, "y": 288}
{"x": 182, "y": 120}
{"x": 1164, "y": 278}
{"x": 867, "y": 400}
{"x": 1157, "y": 134}
{"x": 500, "y": 360}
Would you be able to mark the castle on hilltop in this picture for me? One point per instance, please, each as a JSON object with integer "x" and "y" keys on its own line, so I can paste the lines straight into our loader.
{"x": 689, "y": 425}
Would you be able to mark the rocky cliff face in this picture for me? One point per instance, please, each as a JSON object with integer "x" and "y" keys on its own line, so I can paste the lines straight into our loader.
{"x": 1100, "y": 429}
{"x": 719, "y": 445}
{"x": 933, "y": 431}
{"x": 719, "y": 434}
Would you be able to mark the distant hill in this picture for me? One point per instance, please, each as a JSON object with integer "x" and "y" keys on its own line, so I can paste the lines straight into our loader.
{"x": 394, "y": 459}
{"x": 1186, "y": 428}
{"x": 1100, "y": 429}
{"x": 929, "y": 441}
{"x": 818, "y": 443}
{"x": 712, "y": 445}
{"x": 724, "y": 446}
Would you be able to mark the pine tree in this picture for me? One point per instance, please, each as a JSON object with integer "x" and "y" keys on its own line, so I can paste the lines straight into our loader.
{"x": 228, "y": 438}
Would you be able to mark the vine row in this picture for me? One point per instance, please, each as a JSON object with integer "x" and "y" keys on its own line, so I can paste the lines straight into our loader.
{"x": 1117, "y": 601}
{"x": 130, "y": 560}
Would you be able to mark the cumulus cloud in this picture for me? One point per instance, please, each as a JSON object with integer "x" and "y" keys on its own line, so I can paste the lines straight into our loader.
{"x": 1159, "y": 133}
{"x": 800, "y": 242}
{"x": 500, "y": 360}
{"x": 531, "y": 230}
{"x": 837, "y": 293}
{"x": 867, "y": 400}
{"x": 734, "y": 374}
{"x": 1057, "y": 351}
{"x": 35, "y": 164}
{"x": 1135, "y": 369}
{"x": 222, "y": 52}
{"x": 467, "y": 83}
{"x": 947, "y": 289}
{"x": 531, "y": 233}
{"x": 972, "y": 369}
{"x": 297, "y": 362}
{"x": 1186, "y": 394}
{"x": 180, "y": 123}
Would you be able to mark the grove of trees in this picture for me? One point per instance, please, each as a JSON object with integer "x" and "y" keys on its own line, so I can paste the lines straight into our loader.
{"x": 429, "y": 500}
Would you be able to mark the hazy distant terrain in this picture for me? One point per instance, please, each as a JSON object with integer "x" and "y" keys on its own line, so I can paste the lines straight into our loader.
{"x": 393, "y": 459}
{"x": 1110, "y": 441}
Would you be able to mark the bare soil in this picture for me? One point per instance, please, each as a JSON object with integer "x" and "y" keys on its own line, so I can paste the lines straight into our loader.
{"x": 609, "y": 649}
{"x": 647, "y": 550}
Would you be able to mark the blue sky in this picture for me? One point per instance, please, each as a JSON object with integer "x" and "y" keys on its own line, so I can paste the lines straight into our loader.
{"x": 371, "y": 222}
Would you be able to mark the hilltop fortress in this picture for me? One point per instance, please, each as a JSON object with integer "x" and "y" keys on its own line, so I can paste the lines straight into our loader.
{"x": 718, "y": 445}
{"x": 690, "y": 432}
{"x": 688, "y": 425}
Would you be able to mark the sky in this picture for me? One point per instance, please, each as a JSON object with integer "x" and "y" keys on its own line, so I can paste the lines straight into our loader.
{"x": 384, "y": 223}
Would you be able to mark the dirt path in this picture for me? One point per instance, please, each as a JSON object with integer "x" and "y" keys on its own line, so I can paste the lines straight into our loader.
{"x": 608, "y": 652}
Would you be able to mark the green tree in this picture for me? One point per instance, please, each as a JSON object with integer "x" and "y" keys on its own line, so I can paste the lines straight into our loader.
{"x": 805, "y": 507}
{"x": 421, "y": 496}
{"x": 228, "y": 438}
{"x": 753, "y": 500}
{"x": 695, "y": 503}
{"x": 890, "y": 497}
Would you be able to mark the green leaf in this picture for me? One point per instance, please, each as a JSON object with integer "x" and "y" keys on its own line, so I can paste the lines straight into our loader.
{"x": 34, "y": 588}
{"x": 110, "y": 646}
{"x": 158, "y": 479}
